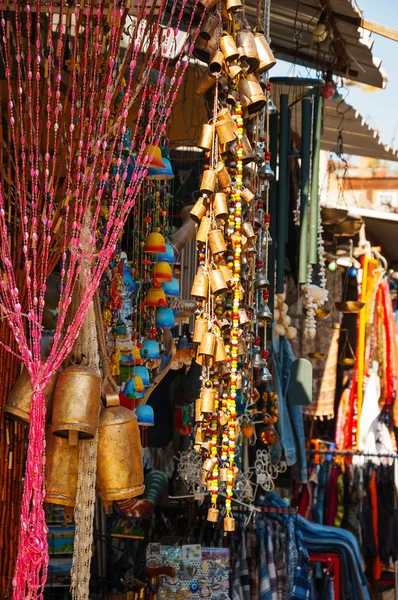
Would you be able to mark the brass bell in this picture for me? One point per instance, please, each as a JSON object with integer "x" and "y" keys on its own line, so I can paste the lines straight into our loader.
{"x": 199, "y": 435}
{"x": 233, "y": 70}
{"x": 250, "y": 87}
{"x": 267, "y": 60}
{"x": 203, "y": 49}
{"x": 61, "y": 470}
{"x": 234, "y": 5}
{"x": 261, "y": 281}
{"x": 206, "y": 4}
{"x": 242, "y": 348}
{"x": 228, "y": 47}
{"x": 200, "y": 286}
{"x": 213, "y": 514}
{"x": 223, "y": 418}
{"x": 208, "y": 183}
{"x": 220, "y": 206}
{"x": 216, "y": 241}
{"x": 264, "y": 314}
{"x": 120, "y": 473}
{"x": 203, "y": 230}
{"x": 203, "y": 360}
{"x": 258, "y": 361}
{"x": 224, "y": 323}
{"x": 246, "y": 40}
{"x": 207, "y": 344}
{"x": 77, "y": 399}
{"x": 224, "y": 369}
{"x": 204, "y": 477}
{"x": 248, "y": 231}
{"x": 209, "y": 464}
{"x": 218, "y": 284}
{"x": 243, "y": 316}
{"x": 209, "y": 26}
{"x": 199, "y": 210}
{"x": 231, "y": 99}
{"x": 205, "y": 83}
{"x": 265, "y": 173}
{"x": 229, "y": 278}
{"x": 220, "y": 354}
{"x": 208, "y": 397}
{"x": 225, "y": 131}
{"x": 247, "y": 195}
{"x": 223, "y": 474}
{"x": 224, "y": 178}
{"x": 229, "y": 524}
{"x": 205, "y": 141}
{"x": 247, "y": 150}
{"x": 198, "y": 412}
{"x": 201, "y": 326}
{"x": 18, "y": 403}
{"x": 216, "y": 62}
{"x": 224, "y": 113}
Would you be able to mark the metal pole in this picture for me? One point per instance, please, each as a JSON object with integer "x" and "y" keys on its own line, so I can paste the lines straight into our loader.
{"x": 313, "y": 246}
{"x": 283, "y": 199}
{"x": 273, "y": 134}
{"x": 304, "y": 189}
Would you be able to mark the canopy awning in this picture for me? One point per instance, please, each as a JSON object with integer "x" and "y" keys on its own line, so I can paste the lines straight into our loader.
{"x": 347, "y": 50}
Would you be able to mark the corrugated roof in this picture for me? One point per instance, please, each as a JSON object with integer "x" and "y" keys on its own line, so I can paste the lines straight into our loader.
{"x": 348, "y": 48}
{"x": 359, "y": 138}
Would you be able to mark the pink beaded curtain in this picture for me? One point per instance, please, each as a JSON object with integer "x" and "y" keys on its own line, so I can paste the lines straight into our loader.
{"x": 64, "y": 63}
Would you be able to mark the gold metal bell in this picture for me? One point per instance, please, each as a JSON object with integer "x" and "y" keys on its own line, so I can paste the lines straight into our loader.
{"x": 217, "y": 282}
{"x": 247, "y": 195}
{"x": 245, "y": 39}
{"x": 228, "y": 47}
{"x": 205, "y": 83}
{"x": 220, "y": 206}
{"x": 216, "y": 62}
{"x": 200, "y": 327}
{"x": 18, "y": 403}
{"x": 225, "y": 131}
{"x": 233, "y": 70}
{"x": 243, "y": 316}
{"x": 224, "y": 178}
{"x": 234, "y": 5}
{"x": 204, "y": 477}
{"x": 198, "y": 412}
{"x": 222, "y": 418}
{"x": 267, "y": 59}
{"x": 205, "y": 141}
{"x": 229, "y": 278}
{"x": 223, "y": 474}
{"x": 120, "y": 473}
{"x": 199, "y": 435}
{"x": 224, "y": 369}
{"x": 203, "y": 230}
{"x": 247, "y": 229}
{"x": 199, "y": 210}
{"x": 208, "y": 397}
{"x": 207, "y": 344}
{"x": 209, "y": 464}
{"x": 250, "y": 87}
{"x": 207, "y": 4}
{"x": 247, "y": 150}
{"x": 229, "y": 524}
{"x": 216, "y": 241}
{"x": 209, "y": 26}
{"x": 208, "y": 183}
{"x": 200, "y": 286}
{"x": 213, "y": 514}
{"x": 61, "y": 470}
{"x": 220, "y": 354}
{"x": 76, "y": 403}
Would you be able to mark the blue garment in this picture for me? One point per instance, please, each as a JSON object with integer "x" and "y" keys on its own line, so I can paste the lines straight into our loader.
{"x": 265, "y": 584}
{"x": 290, "y": 424}
{"x": 292, "y": 556}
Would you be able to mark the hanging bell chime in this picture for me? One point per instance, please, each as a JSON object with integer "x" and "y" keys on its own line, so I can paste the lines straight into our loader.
{"x": 120, "y": 473}
{"x": 229, "y": 524}
{"x": 209, "y": 26}
{"x": 261, "y": 281}
{"x": 267, "y": 59}
{"x": 229, "y": 278}
{"x": 201, "y": 326}
{"x": 225, "y": 131}
{"x": 218, "y": 284}
{"x": 245, "y": 39}
{"x": 233, "y": 70}
{"x": 208, "y": 183}
{"x": 234, "y": 6}
{"x": 248, "y": 231}
{"x": 247, "y": 195}
{"x": 203, "y": 230}
{"x": 220, "y": 206}
{"x": 208, "y": 398}
{"x": 216, "y": 241}
{"x": 216, "y": 62}
{"x": 224, "y": 178}
{"x": 220, "y": 354}
{"x": 18, "y": 403}
{"x": 200, "y": 286}
{"x": 207, "y": 344}
{"x": 213, "y": 515}
{"x": 264, "y": 314}
{"x": 76, "y": 403}
{"x": 270, "y": 108}
{"x": 205, "y": 83}
{"x": 61, "y": 470}
{"x": 250, "y": 87}
{"x": 265, "y": 374}
{"x": 205, "y": 141}
{"x": 228, "y": 47}
{"x": 258, "y": 361}
{"x": 199, "y": 210}
{"x": 265, "y": 173}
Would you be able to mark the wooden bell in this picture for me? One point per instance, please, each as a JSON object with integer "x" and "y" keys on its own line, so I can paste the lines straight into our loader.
{"x": 228, "y": 47}
{"x": 120, "y": 473}
{"x": 200, "y": 286}
{"x": 203, "y": 230}
{"x": 208, "y": 397}
{"x": 18, "y": 403}
{"x": 207, "y": 344}
{"x": 220, "y": 206}
{"x": 201, "y": 326}
{"x": 205, "y": 141}
{"x": 76, "y": 403}
{"x": 218, "y": 284}
{"x": 61, "y": 470}
{"x": 224, "y": 178}
{"x": 208, "y": 183}
{"x": 216, "y": 241}
{"x": 199, "y": 210}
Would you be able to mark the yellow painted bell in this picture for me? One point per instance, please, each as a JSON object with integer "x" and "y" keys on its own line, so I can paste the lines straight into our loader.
{"x": 162, "y": 272}
{"x": 18, "y": 403}
{"x": 61, "y": 470}
{"x": 154, "y": 155}
{"x": 119, "y": 462}
{"x": 155, "y": 297}
{"x": 76, "y": 403}
{"x": 138, "y": 384}
{"x": 155, "y": 243}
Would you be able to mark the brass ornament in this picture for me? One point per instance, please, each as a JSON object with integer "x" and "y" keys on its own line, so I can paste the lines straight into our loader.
{"x": 247, "y": 195}
{"x": 61, "y": 470}
{"x": 208, "y": 397}
{"x": 225, "y": 131}
{"x": 216, "y": 62}
{"x": 201, "y": 326}
{"x": 220, "y": 354}
{"x": 220, "y": 206}
{"x": 207, "y": 344}
{"x": 217, "y": 282}
{"x": 205, "y": 141}
{"x": 217, "y": 242}
{"x": 208, "y": 183}
{"x": 213, "y": 514}
{"x": 200, "y": 286}
{"x": 245, "y": 39}
{"x": 209, "y": 26}
{"x": 250, "y": 87}
{"x": 204, "y": 228}
{"x": 264, "y": 52}
{"x": 205, "y": 83}
{"x": 224, "y": 178}
{"x": 229, "y": 524}
{"x": 228, "y": 47}
{"x": 18, "y": 403}
{"x": 199, "y": 210}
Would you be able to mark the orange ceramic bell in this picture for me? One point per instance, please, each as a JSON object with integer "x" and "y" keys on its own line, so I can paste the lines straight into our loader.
{"x": 153, "y": 157}
{"x": 162, "y": 272}
{"x": 155, "y": 243}
{"x": 155, "y": 297}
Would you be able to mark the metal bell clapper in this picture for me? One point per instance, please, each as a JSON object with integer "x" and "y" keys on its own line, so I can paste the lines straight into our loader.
{"x": 261, "y": 281}
{"x": 265, "y": 173}
{"x": 258, "y": 361}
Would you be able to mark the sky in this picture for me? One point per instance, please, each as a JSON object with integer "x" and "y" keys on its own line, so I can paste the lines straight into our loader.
{"x": 379, "y": 108}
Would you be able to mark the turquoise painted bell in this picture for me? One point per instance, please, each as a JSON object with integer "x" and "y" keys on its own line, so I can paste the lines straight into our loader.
{"x": 161, "y": 173}
{"x": 128, "y": 360}
{"x": 128, "y": 281}
{"x": 129, "y": 389}
{"x": 150, "y": 349}
{"x": 164, "y": 317}
{"x": 167, "y": 256}
{"x": 145, "y": 416}
{"x": 142, "y": 372}
{"x": 171, "y": 288}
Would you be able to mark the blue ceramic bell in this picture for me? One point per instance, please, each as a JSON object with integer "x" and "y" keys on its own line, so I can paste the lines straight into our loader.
{"x": 164, "y": 317}
{"x": 150, "y": 350}
{"x": 161, "y": 173}
{"x": 142, "y": 372}
{"x": 167, "y": 256}
{"x": 145, "y": 416}
{"x": 129, "y": 389}
{"x": 171, "y": 288}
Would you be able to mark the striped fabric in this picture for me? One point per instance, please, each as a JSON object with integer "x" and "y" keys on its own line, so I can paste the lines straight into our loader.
{"x": 265, "y": 584}
{"x": 244, "y": 570}
{"x": 271, "y": 562}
